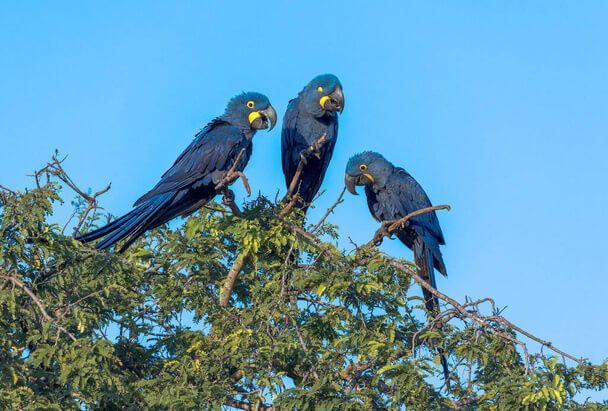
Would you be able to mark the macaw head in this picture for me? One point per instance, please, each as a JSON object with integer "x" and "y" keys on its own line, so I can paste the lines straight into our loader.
{"x": 250, "y": 111}
{"x": 323, "y": 95}
{"x": 366, "y": 169}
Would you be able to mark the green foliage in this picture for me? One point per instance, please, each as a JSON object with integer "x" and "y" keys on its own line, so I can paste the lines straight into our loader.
{"x": 334, "y": 330}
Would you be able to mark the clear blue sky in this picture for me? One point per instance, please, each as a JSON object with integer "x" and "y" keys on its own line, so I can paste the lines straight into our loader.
{"x": 497, "y": 108}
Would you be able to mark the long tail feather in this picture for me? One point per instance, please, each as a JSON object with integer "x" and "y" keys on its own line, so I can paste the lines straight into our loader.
{"x": 425, "y": 262}
{"x": 131, "y": 226}
{"x": 108, "y": 228}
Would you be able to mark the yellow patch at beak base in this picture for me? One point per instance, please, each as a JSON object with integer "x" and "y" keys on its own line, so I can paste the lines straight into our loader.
{"x": 253, "y": 115}
{"x": 323, "y": 100}
{"x": 369, "y": 176}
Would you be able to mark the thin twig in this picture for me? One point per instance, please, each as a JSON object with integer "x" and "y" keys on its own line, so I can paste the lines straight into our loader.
{"x": 483, "y": 321}
{"x": 37, "y": 302}
{"x": 11, "y": 192}
{"x": 92, "y": 205}
{"x": 306, "y": 235}
{"x": 329, "y": 211}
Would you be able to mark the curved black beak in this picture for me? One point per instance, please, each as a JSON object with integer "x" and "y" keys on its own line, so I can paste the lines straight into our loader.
{"x": 351, "y": 182}
{"x": 262, "y": 118}
{"x": 271, "y": 115}
{"x": 335, "y": 102}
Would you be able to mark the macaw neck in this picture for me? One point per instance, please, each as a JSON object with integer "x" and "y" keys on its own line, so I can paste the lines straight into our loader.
{"x": 249, "y": 133}
{"x": 240, "y": 123}
{"x": 378, "y": 185}
{"x": 381, "y": 176}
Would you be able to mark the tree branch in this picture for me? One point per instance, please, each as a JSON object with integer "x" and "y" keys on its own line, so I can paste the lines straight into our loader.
{"x": 54, "y": 168}
{"x": 37, "y": 302}
{"x": 481, "y": 320}
{"x": 329, "y": 211}
{"x": 310, "y": 151}
{"x": 486, "y": 322}
{"x": 243, "y": 405}
{"x": 389, "y": 227}
{"x": 232, "y": 175}
{"x": 234, "y": 271}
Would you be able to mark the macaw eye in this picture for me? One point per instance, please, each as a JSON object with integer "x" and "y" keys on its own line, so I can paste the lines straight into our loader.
{"x": 250, "y": 104}
{"x": 362, "y": 167}
{"x": 320, "y": 89}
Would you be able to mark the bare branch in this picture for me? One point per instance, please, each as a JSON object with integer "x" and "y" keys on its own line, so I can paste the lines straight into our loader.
{"x": 487, "y": 322}
{"x": 390, "y": 227}
{"x": 11, "y": 192}
{"x": 54, "y": 168}
{"x": 37, "y": 302}
{"x": 329, "y": 211}
{"x": 482, "y": 321}
{"x": 92, "y": 205}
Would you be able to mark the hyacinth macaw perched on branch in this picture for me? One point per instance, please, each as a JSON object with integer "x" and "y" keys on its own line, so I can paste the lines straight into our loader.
{"x": 392, "y": 194}
{"x": 193, "y": 179}
{"x": 310, "y": 117}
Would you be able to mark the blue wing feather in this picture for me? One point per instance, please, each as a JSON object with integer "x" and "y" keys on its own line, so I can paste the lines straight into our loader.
{"x": 402, "y": 196}
{"x": 213, "y": 149}
{"x": 184, "y": 188}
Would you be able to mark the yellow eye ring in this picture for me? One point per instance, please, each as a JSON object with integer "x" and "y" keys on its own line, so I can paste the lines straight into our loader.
{"x": 250, "y": 104}
{"x": 320, "y": 89}
{"x": 362, "y": 167}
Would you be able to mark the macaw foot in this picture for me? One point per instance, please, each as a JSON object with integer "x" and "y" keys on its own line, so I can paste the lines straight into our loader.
{"x": 303, "y": 157}
{"x": 313, "y": 150}
{"x": 316, "y": 146}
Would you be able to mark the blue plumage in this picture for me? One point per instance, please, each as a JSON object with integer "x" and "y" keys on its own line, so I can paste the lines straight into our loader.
{"x": 190, "y": 182}
{"x": 309, "y": 116}
{"x": 392, "y": 193}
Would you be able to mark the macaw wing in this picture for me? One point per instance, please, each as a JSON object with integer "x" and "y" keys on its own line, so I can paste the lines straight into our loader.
{"x": 291, "y": 145}
{"x": 327, "y": 148}
{"x": 213, "y": 151}
{"x": 403, "y": 195}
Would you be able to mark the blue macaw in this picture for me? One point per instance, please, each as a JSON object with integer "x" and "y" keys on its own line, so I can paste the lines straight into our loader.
{"x": 308, "y": 117}
{"x": 392, "y": 194}
{"x": 190, "y": 183}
